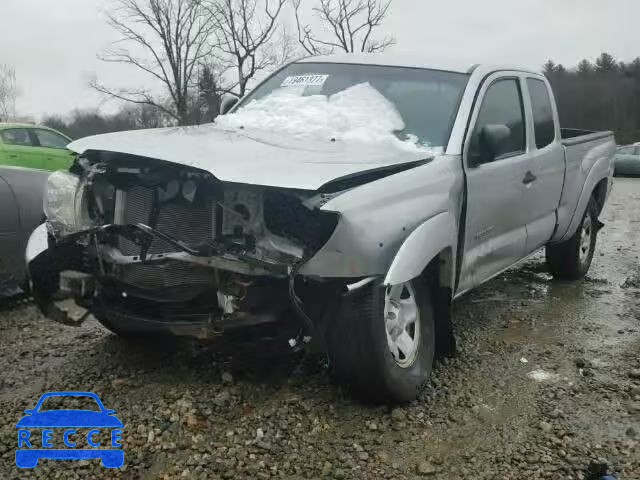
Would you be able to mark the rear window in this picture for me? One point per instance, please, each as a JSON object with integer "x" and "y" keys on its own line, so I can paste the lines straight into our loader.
{"x": 545, "y": 131}
{"x": 631, "y": 150}
{"x": 16, "y": 136}
{"x": 50, "y": 139}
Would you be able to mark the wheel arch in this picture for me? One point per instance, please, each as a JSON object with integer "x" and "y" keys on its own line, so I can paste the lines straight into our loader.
{"x": 431, "y": 243}
{"x": 430, "y": 253}
{"x": 600, "y": 193}
{"x": 596, "y": 186}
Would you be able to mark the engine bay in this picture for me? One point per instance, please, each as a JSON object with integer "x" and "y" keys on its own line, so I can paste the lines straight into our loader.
{"x": 191, "y": 208}
{"x": 163, "y": 240}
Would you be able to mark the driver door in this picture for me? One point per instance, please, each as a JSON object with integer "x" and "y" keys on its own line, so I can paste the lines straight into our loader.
{"x": 495, "y": 223}
{"x": 52, "y": 149}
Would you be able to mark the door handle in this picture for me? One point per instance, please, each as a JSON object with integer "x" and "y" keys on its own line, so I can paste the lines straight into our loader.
{"x": 529, "y": 178}
{"x": 13, "y": 156}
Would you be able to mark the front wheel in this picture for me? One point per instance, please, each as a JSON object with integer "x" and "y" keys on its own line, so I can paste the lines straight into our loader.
{"x": 382, "y": 342}
{"x": 571, "y": 260}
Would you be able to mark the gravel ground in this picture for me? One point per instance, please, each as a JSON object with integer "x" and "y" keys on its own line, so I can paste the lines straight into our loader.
{"x": 546, "y": 385}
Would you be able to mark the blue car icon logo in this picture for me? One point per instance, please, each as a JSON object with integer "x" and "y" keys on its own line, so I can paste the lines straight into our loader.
{"x": 29, "y": 452}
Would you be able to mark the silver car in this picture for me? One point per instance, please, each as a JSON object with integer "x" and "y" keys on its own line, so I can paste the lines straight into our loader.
{"x": 357, "y": 195}
{"x": 21, "y": 191}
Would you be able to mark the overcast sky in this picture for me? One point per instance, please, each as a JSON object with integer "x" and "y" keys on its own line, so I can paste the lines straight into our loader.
{"x": 52, "y": 44}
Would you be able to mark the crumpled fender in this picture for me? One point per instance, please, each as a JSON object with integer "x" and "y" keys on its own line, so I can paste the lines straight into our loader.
{"x": 425, "y": 242}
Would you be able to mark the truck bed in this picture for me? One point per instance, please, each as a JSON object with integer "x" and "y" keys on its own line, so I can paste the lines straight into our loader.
{"x": 584, "y": 150}
{"x": 572, "y": 136}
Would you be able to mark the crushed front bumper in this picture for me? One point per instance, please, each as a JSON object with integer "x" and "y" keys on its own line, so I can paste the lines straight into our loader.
{"x": 63, "y": 276}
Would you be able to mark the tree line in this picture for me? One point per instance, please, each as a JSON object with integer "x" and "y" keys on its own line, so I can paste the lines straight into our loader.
{"x": 603, "y": 94}
{"x": 194, "y": 52}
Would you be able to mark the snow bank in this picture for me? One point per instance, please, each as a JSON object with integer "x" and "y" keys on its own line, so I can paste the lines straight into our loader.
{"x": 359, "y": 113}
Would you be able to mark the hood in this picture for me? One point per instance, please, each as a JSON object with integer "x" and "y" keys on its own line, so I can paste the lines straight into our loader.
{"x": 255, "y": 157}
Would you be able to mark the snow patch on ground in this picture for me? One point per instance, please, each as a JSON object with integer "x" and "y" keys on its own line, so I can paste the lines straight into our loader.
{"x": 541, "y": 375}
{"x": 359, "y": 113}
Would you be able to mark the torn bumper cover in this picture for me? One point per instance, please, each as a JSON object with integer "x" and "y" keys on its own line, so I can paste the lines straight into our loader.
{"x": 57, "y": 273}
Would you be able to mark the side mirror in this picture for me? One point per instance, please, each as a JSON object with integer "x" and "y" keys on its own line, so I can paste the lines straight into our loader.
{"x": 228, "y": 102}
{"x": 491, "y": 142}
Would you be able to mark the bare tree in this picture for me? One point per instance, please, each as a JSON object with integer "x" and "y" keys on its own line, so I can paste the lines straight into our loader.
{"x": 8, "y": 93}
{"x": 249, "y": 39}
{"x": 167, "y": 39}
{"x": 350, "y": 25}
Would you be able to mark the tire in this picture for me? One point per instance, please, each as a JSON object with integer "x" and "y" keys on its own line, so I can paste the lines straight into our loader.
{"x": 359, "y": 348}
{"x": 571, "y": 260}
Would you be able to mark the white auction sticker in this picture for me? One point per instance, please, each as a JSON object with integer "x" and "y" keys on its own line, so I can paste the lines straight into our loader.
{"x": 304, "y": 81}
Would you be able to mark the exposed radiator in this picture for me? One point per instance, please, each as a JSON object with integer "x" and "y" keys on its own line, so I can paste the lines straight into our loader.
{"x": 169, "y": 274}
{"x": 191, "y": 222}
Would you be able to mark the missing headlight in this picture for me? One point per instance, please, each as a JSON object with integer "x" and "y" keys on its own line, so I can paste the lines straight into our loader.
{"x": 64, "y": 203}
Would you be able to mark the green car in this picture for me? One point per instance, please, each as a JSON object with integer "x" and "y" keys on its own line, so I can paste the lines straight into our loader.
{"x": 32, "y": 146}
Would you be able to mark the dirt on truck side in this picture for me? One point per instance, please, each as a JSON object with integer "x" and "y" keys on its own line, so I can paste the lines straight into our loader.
{"x": 546, "y": 384}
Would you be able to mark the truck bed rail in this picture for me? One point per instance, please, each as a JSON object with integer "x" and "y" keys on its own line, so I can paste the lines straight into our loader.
{"x": 573, "y": 136}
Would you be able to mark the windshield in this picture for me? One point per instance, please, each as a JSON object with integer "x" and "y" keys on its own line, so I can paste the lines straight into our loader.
{"x": 415, "y": 105}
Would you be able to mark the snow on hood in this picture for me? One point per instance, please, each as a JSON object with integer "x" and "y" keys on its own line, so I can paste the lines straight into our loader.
{"x": 281, "y": 141}
{"x": 359, "y": 113}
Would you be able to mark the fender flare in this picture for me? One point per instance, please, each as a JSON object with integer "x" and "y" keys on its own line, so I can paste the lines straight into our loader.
{"x": 595, "y": 175}
{"x": 420, "y": 248}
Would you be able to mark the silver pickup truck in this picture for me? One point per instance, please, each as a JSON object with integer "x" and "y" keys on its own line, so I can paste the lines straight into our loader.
{"x": 347, "y": 199}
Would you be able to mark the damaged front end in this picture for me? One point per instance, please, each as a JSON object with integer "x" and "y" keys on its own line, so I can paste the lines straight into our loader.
{"x": 147, "y": 245}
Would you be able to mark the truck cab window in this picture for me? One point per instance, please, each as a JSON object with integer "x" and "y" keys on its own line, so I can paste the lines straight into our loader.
{"x": 627, "y": 150}
{"x": 545, "y": 130}
{"x": 502, "y": 105}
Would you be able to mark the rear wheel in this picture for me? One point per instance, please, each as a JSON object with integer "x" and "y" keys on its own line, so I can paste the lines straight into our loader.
{"x": 382, "y": 342}
{"x": 571, "y": 260}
